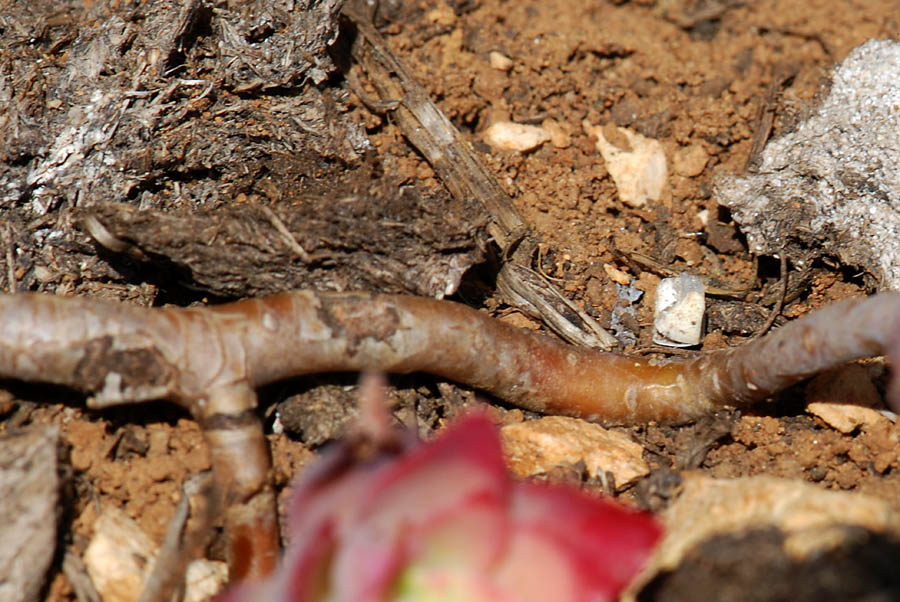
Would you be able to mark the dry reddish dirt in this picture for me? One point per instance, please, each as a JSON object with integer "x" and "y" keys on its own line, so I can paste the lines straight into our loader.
{"x": 692, "y": 75}
{"x": 668, "y": 71}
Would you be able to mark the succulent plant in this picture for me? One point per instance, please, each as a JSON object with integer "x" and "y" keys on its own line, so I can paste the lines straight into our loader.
{"x": 443, "y": 521}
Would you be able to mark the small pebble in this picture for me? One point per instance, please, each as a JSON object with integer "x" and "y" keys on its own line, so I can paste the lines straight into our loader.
{"x": 559, "y": 136}
{"x": 616, "y": 275}
{"x": 506, "y": 135}
{"x": 680, "y": 305}
{"x": 703, "y": 216}
{"x": 500, "y": 61}
{"x": 42, "y": 274}
{"x": 690, "y": 161}
{"x": 204, "y": 579}
{"x": 441, "y": 15}
{"x": 119, "y": 557}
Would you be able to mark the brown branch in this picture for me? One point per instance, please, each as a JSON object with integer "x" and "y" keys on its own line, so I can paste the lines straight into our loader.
{"x": 210, "y": 359}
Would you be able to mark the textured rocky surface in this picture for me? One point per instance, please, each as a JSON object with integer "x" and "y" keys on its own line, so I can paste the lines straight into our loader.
{"x": 833, "y": 185}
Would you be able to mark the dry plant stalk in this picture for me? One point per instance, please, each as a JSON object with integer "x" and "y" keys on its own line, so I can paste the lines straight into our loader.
{"x": 466, "y": 177}
{"x": 210, "y": 360}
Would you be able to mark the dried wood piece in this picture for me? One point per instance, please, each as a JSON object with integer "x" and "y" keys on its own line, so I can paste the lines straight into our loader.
{"x": 533, "y": 295}
{"x": 267, "y": 44}
{"x": 399, "y": 241}
{"x": 171, "y": 566}
{"x": 428, "y": 129}
{"x": 161, "y": 69}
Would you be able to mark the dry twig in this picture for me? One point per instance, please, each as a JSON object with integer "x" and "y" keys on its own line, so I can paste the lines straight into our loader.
{"x": 465, "y": 176}
{"x": 779, "y": 302}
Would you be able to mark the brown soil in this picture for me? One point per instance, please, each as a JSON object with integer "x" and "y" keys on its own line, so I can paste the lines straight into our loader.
{"x": 693, "y": 75}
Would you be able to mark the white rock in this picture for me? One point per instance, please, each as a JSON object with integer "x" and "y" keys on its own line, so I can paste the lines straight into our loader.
{"x": 833, "y": 183}
{"x": 616, "y": 275}
{"x": 506, "y": 135}
{"x": 120, "y": 556}
{"x": 680, "y": 304}
{"x": 703, "y": 216}
{"x": 639, "y": 172}
{"x": 204, "y": 579}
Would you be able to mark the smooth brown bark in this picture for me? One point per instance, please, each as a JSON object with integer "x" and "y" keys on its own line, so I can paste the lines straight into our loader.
{"x": 210, "y": 360}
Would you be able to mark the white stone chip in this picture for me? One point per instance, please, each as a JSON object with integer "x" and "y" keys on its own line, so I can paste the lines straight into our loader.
{"x": 639, "y": 171}
{"x": 680, "y": 305}
{"x": 506, "y": 135}
{"x": 119, "y": 557}
{"x": 500, "y": 61}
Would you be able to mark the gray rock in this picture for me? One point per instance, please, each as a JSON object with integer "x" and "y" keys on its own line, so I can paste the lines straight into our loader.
{"x": 833, "y": 185}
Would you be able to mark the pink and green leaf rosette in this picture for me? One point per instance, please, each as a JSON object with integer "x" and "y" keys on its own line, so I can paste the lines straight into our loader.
{"x": 444, "y": 522}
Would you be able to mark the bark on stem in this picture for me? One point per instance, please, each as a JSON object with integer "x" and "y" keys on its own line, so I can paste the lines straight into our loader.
{"x": 405, "y": 334}
{"x": 126, "y": 354}
{"x": 210, "y": 359}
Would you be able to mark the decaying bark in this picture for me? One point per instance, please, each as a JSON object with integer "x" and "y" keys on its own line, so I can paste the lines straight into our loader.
{"x": 210, "y": 360}
{"x": 400, "y": 241}
{"x": 132, "y": 82}
{"x": 184, "y": 128}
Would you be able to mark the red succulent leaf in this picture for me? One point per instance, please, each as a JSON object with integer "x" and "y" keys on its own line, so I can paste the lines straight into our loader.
{"x": 464, "y": 464}
{"x": 445, "y": 516}
{"x": 458, "y": 470}
{"x": 447, "y": 539}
